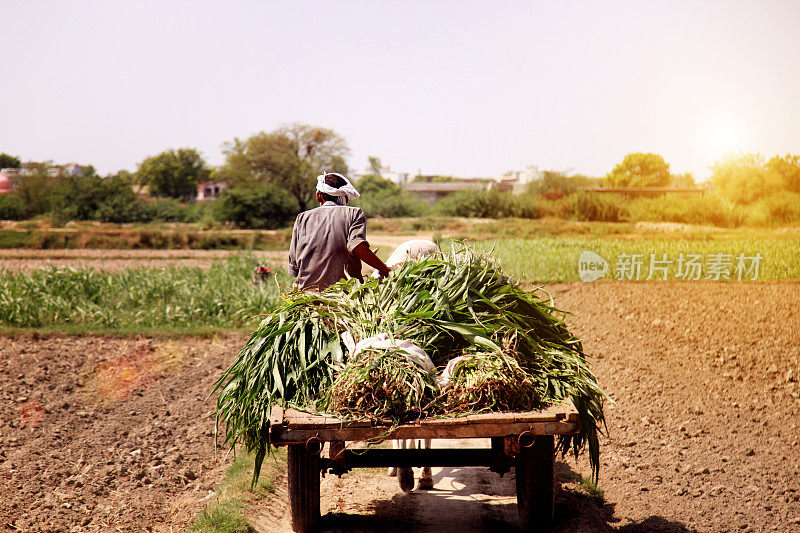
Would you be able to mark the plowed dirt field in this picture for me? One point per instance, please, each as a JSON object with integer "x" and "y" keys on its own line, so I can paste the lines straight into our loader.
{"x": 107, "y": 434}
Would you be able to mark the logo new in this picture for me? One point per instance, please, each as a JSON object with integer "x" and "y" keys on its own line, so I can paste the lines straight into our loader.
{"x": 591, "y": 266}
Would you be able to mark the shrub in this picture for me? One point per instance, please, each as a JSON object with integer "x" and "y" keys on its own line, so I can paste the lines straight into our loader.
{"x": 706, "y": 209}
{"x": 11, "y": 207}
{"x": 554, "y": 185}
{"x": 163, "y": 210}
{"x": 90, "y": 197}
{"x": 522, "y": 206}
{"x": 560, "y": 208}
{"x": 743, "y": 179}
{"x": 262, "y": 207}
{"x": 372, "y": 184}
{"x": 587, "y": 206}
{"x": 200, "y": 212}
{"x": 391, "y": 204}
{"x": 487, "y": 204}
{"x": 776, "y": 210}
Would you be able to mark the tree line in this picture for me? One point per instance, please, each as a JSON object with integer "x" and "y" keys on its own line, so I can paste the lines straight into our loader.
{"x": 270, "y": 177}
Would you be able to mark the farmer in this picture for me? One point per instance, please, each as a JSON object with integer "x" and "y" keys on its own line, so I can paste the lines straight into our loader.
{"x": 330, "y": 241}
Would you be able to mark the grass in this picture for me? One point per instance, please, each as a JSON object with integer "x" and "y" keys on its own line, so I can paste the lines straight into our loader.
{"x": 588, "y": 487}
{"x": 593, "y": 491}
{"x": 547, "y": 259}
{"x": 227, "y": 512}
{"x": 137, "y": 300}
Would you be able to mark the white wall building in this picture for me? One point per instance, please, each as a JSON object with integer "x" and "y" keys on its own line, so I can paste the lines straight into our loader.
{"x": 521, "y": 178}
{"x": 399, "y": 178}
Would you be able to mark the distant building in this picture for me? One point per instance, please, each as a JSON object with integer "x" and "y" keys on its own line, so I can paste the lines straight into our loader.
{"x": 5, "y": 182}
{"x": 432, "y": 192}
{"x": 518, "y": 180}
{"x": 54, "y": 171}
{"x": 73, "y": 169}
{"x": 397, "y": 177}
{"x": 15, "y": 172}
{"x": 209, "y": 190}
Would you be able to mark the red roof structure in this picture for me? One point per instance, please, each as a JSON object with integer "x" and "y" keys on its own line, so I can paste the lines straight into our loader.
{"x": 5, "y": 184}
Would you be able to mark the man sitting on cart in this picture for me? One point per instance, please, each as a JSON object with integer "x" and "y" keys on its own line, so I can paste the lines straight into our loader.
{"x": 330, "y": 241}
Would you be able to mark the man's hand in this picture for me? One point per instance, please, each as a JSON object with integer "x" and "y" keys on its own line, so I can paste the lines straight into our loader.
{"x": 368, "y": 256}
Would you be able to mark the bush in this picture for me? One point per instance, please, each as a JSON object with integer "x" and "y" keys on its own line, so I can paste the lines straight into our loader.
{"x": 587, "y": 206}
{"x": 163, "y": 210}
{"x": 743, "y": 179}
{"x": 372, "y": 184}
{"x": 487, "y": 204}
{"x": 522, "y": 206}
{"x": 11, "y": 207}
{"x": 560, "y": 208}
{"x": 389, "y": 204}
{"x": 200, "y": 212}
{"x": 554, "y": 185}
{"x": 90, "y": 197}
{"x": 776, "y": 210}
{"x": 707, "y": 209}
{"x": 262, "y": 207}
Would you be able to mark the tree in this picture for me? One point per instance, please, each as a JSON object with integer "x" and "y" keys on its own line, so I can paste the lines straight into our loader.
{"x": 683, "y": 180}
{"x": 554, "y": 184}
{"x": 264, "y": 206}
{"x": 9, "y": 161}
{"x": 174, "y": 173}
{"x": 289, "y": 157}
{"x": 640, "y": 170}
{"x": 372, "y": 184}
{"x": 36, "y": 189}
{"x": 374, "y": 165}
{"x": 91, "y": 197}
{"x": 787, "y": 169}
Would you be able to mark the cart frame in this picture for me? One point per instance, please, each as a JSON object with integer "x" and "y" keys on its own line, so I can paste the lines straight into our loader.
{"x": 522, "y": 440}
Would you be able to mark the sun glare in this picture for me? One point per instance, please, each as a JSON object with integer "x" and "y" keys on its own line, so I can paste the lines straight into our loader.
{"x": 722, "y": 136}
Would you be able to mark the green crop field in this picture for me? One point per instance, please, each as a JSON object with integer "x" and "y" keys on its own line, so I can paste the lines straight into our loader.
{"x": 556, "y": 259}
{"x": 224, "y": 297}
{"x": 141, "y": 299}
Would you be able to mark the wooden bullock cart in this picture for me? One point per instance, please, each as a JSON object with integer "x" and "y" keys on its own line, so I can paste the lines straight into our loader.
{"x": 522, "y": 440}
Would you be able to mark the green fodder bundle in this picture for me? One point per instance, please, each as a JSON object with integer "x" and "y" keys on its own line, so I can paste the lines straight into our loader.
{"x": 489, "y": 381}
{"x": 447, "y": 304}
{"x": 289, "y": 359}
{"x": 383, "y": 384}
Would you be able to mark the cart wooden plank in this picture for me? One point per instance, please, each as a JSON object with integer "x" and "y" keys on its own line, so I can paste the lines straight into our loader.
{"x": 298, "y": 426}
{"x": 303, "y": 420}
{"x": 276, "y": 416}
{"x": 295, "y": 419}
{"x": 419, "y": 431}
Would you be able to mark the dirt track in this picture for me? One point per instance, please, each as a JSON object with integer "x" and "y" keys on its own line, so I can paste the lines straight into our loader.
{"x": 98, "y": 433}
{"x": 21, "y": 259}
{"x": 115, "y": 260}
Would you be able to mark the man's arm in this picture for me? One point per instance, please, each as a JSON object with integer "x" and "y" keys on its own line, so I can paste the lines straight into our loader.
{"x": 368, "y": 256}
{"x": 293, "y": 270}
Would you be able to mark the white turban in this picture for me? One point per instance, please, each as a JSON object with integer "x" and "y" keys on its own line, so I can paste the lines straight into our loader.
{"x": 343, "y": 194}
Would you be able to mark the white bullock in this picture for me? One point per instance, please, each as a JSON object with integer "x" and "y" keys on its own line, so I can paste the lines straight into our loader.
{"x": 409, "y": 251}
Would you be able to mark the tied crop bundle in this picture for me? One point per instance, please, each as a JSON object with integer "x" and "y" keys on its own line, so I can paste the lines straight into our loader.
{"x": 383, "y": 384}
{"x": 488, "y": 381}
{"x": 448, "y": 304}
{"x": 289, "y": 359}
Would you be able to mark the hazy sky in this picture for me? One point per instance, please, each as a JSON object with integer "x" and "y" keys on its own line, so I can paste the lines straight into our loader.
{"x": 462, "y": 88}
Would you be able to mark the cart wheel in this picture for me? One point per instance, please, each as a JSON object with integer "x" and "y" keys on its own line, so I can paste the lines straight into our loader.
{"x": 405, "y": 475}
{"x": 303, "y": 487}
{"x": 535, "y": 489}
